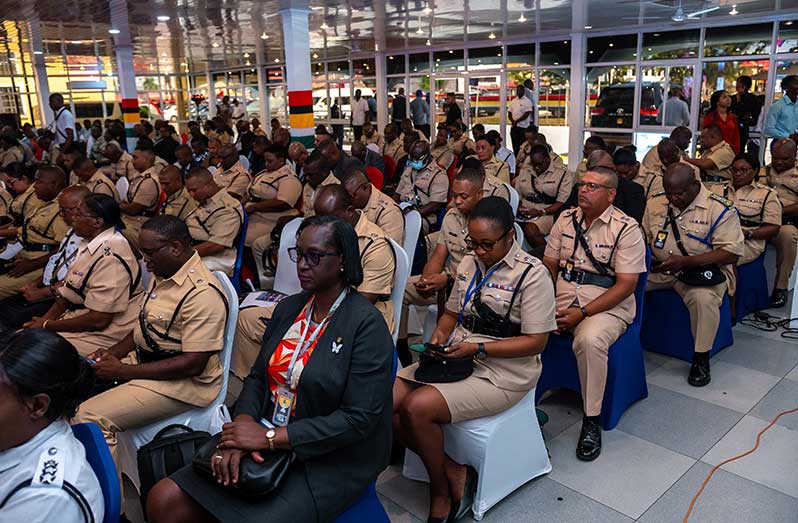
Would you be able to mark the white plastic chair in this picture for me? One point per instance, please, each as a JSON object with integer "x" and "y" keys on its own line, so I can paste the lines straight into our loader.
{"x": 208, "y": 418}
{"x": 506, "y": 450}
{"x": 514, "y": 198}
{"x": 244, "y": 161}
{"x": 285, "y": 278}
{"x": 400, "y": 276}
{"x": 122, "y": 186}
{"x": 146, "y": 275}
{"x": 412, "y": 230}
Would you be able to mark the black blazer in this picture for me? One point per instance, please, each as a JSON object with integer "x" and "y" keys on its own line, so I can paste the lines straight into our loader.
{"x": 342, "y": 427}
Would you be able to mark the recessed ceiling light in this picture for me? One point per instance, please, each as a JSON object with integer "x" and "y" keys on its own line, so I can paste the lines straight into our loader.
{"x": 612, "y": 44}
{"x": 588, "y": 27}
{"x": 428, "y": 43}
{"x": 390, "y": 58}
{"x": 522, "y": 18}
{"x": 315, "y": 55}
{"x": 215, "y": 44}
{"x": 38, "y": 52}
{"x": 556, "y": 63}
{"x": 734, "y": 10}
{"x": 163, "y": 18}
{"x": 492, "y": 36}
{"x": 419, "y": 31}
{"x": 246, "y": 55}
{"x": 324, "y": 26}
{"x": 114, "y": 31}
{"x": 264, "y": 36}
{"x": 277, "y": 60}
{"x": 427, "y": 10}
{"x": 451, "y": 52}
{"x": 247, "y": 63}
{"x": 789, "y": 22}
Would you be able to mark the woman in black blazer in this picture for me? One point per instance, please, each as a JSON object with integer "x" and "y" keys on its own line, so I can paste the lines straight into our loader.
{"x": 341, "y": 426}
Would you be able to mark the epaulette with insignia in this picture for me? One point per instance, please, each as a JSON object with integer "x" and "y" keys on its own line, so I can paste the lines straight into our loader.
{"x": 49, "y": 471}
{"x": 725, "y": 201}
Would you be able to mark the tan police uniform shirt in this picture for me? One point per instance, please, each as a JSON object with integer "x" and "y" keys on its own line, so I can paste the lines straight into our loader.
{"x": 581, "y": 169}
{"x": 145, "y": 190}
{"x": 179, "y": 204}
{"x": 695, "y": 220}
{"x": 723, "y": 156}
{"x": 281, "y": 184}
{"x": 379, "y": 265}
{"x": 5, "y": 203}
{"x": 394, "y": 149}
{"x": 199, "y": 325}
{"x": 100, "y": 184}
{"x": 44, "y": 226}
{"x": 615, "y": 240}
{"x": 422, "y": 136}
{"x": 462, "y": 143}
{"x": 533, "y": 309}
{"x": 309, "y": 194}
{"x": 443, "y": 155}
{"x": 376, "y": 138}
{"x": 497, "y": 168}
{"x": 556, "y": 182}
{"x": 650, "y": 181}
{"x": 756, "y": 204}
{"x": 234, "y": 180}
{"x": 452, "y": 235}
{"x": 105, "y": 277}
{"x": 218, "y": 220}
{"x": 24, "y": 205}
{"x": 495, "y": 187}
{"x": 422, "y": 187}
{"x": 382, "y": 211}
{"x": 785, "y": 183}
{"x": 11, "y": 155}
{"x": 123, "y": 168}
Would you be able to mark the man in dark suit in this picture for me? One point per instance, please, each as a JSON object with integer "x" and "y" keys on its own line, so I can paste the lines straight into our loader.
{"x": 399, "y": 109}
{"x": 368, "y": 156}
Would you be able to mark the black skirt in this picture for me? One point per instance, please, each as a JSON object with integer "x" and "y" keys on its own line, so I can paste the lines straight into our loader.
{"x": 291, "y": 503}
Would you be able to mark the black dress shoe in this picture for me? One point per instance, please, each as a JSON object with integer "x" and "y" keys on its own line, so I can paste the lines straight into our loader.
{"x": 699, "y": 371}
{"x": 778, "y": 299}
{"x": 589, "y": 446}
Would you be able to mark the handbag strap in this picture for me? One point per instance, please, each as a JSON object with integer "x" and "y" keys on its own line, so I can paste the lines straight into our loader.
{"x": 676, "y": 235}
{"x": 166, "y": 429}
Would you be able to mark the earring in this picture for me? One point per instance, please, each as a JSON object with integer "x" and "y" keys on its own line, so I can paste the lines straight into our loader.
{"x": 342, "y": 269}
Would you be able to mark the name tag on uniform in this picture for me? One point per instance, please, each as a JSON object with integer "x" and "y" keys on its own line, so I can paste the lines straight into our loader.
{"x": 282, "y": 409}
{"x": 659, "y": 242}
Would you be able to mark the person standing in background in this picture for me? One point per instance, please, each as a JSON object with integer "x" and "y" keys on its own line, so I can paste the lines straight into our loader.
{"x": 63, "y": 126}
{"x": 419, "y": 112}
{"x": 399, "y": 109}
{"x": 520, "y": 115}
{"x": 746, "y": 108}
{"x": 338, "y": 129}
{"x": 782, "y": 119}
{"x": 529, "y": 91}
{"x": 453, "y": 112}
{"x": 675, "y": 109}
{"x": 720, "y": 115}
{"x": 359, "y": 109}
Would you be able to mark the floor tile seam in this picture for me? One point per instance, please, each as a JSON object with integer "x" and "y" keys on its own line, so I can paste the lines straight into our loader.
{"x": 590, "y": 498}
{"x": 775, "y": 491}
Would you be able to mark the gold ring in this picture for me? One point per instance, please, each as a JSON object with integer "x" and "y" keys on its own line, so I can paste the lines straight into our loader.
{"x": 218, "y": 456}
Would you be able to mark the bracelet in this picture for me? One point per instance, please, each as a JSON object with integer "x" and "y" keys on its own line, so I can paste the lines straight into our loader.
{"x": 44, "y": 325}
{"x": 584, "y": 312}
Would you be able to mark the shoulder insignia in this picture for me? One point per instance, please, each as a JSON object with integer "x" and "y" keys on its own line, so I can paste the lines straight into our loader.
{"x": 569, "y": 211}
{"x": 720, "y": 199}
{"x": 49, "y": 471}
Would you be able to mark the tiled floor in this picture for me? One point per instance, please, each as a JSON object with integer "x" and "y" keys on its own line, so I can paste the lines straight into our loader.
{"x": 654, "y": 462}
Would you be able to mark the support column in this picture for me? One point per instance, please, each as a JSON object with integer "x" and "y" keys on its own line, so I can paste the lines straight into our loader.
{"x": 576, "y": 102}
{"x": 381, "y": 94}
{"x": 260, "y": 64}
{"x": 123, "y": 49}
{"x": 39, "y": 70}
{"x": 296, "y": 38}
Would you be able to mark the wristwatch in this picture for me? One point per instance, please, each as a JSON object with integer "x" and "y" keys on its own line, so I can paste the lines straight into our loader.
{"x": 270, "y": 434}
{"x": 749, "y": 235}
{"x": 481, "y": 352}
{"x": 584, "y": 312}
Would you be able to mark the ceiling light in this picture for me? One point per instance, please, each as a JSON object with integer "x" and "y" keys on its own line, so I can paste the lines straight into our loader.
{"x": 38, "y": 52}
{"x": 612, "y": 44}
{"x": 163, "y": 18}
{"x": 427, "y": 10}
{"x": 522, "y": 18}
{"x": 264, "y": 36}
{"x": 419, "y": 31}
{"x": 390, "y": 58}
{"x": 428, "y": 43}
{"x": 451, "y": 52}
{"x": 556, "y": 63}
{"x": 789, "y": 22}
{"x": 114, "y": 31}
{"x": 588, "y": 27}
{"x": 215, "y": 44}
{"x": 247, "y": 63}
{"x": 277, "y": 60}
{"x": 315, "y": 55}
{"x": 492, "y": 36}
{"x": 734, "y": 10}
{"x": 324, "y": 26}
{"x": 246, "y": 55}
{"x": 703, "y": 11}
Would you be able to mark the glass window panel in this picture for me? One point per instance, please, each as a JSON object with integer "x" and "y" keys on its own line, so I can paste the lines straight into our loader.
{"x": 722, "y": 75}
{"x": 657, "y": 82}
{"x": 611, "y": 48}
{"x": 251, "y": 77}
{"x": 419, "y": 63}
{"x": 395, "y": 64}
{"x": 514, "y": 79}
{"x": 555, "y": 53}
{"x": 671, "y": 44}
{"x": 484, "y": 58}
{"x": 338, "y": 70}
{"x": 275, "y": 75}
{"x": 320, "y": 101}
{"x": 318, "y": 71}
{"x": 738, "y": 40}
{"x": 364, "y": 67}
{"x": 610, "y": 96}
{"x": 448, "y": 61}
{"x": 554, "y": 89}
{"x": 278, "y": 106}
{"x": 788, "y": 37}
{"x": 484, "y": 101}
{"x": 520, "y": 56}
{"x": 447, "y": 85}
{"x": 784, "y": 68}
{"x": 613, "y": 140}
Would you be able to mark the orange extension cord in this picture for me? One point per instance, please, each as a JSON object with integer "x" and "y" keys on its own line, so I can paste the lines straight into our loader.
{"x": 719, "y": 465}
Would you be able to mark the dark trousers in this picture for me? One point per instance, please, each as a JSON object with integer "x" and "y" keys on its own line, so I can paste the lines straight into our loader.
{"x": 517, "y": 137}
{"x": 17, "y": 310}
{"x": 358, "y": 130}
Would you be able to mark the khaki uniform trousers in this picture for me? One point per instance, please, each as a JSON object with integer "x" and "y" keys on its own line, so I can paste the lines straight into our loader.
{"x": 786, "y": 243}
{"x": 126, "y": 407}
{"x": 249, "y": 336}
{"x": 413, "y": 297}
{"x": 10, "y": 286}
{"x": 703, "y": 304}
{"x": 592, "y": 339}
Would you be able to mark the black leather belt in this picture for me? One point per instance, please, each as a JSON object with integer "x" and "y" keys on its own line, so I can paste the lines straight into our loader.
{"x": 713, "y": 178}
{"x": 38, "y": 247}
{"x": 587, "y": 278}
{"x": 749, "y": 223}
{"x": 499, "y": 329}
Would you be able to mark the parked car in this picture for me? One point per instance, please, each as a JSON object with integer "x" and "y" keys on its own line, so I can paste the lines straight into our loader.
{"x": 615, "y": 105}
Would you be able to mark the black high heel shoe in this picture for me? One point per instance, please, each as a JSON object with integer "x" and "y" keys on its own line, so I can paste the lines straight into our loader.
{"x": 450, "y": 518}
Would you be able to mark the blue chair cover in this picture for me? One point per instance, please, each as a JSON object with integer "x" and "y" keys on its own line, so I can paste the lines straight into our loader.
{"x": 239, "y": 246}
{"x": 99, "y": 457}
{"x": 666, "y": 326}
{"x": 626, "y": 372}
{"x": 752, "y": 288}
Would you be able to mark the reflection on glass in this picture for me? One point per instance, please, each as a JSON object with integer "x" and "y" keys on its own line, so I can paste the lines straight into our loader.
{"x": 364, "y": 67}
{"x": 395, "y": 64}
{"x": 484, "y": 101}
{"x": 612, "y": 48}
{"x": 520, "y": 56}
{"x": 419, "y": 63}
{"x": 553, "y": 93}
{"x": 671, "y": 44}
{"x": 555, "y": 53}
{"x": 338, "y": 70}
{"x": 484, "y": 58}
{"x": 444, "y": 86}
{"x": 788, "y": 37}
{"x": 448, "y": 61}
{"x": 722, "y": 75}
{"x": 738, "y": 40}
{"x": 665, "y": 96}
{"x": 610, "y": 96}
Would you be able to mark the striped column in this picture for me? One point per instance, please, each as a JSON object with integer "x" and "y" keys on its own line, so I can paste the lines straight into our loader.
{"x": 130, "y": 115}
{"x": 297, "y": 64}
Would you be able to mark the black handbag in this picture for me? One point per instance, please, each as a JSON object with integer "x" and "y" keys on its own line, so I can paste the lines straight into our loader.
{"x": 165, "y": 455}
{"x": 254, "y": 479}
{"x": 704, "y": 276}
{"x": 434, "y": 368}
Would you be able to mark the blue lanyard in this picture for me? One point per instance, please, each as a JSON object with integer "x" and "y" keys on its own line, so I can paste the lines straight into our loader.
{"x": 473, "y": 290}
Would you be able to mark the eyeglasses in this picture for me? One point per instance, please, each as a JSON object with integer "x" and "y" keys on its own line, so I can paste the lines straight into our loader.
{"x": 744, "y": 170}
{"x": 89, "y": 216}
{"x": 312, "y": 258}
{"x": 151, "y": 253}
{"x": 590, "y": 186}
{"x": 485, "y": 245}
{"x": 67, "y": 210}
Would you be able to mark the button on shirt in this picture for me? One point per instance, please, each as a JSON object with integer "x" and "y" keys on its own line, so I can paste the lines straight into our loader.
{"x": 49, "y": 460}
{"x": 198, "y": 325}
{"x": 517, "y": 108}
{"x": 782, "y": 119}
{"x": 614, "y": 239}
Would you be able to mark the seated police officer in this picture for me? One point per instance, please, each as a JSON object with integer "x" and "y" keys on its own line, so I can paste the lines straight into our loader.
{"x": 424, "y": 184}
{"x": 141, "y": 201}
{"x": 695, "y": 239}
{"x": 170, "y": 359}
{"x": 594, "y": 253}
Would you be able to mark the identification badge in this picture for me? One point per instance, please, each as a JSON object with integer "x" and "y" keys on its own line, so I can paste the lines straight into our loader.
{"x": 659, "y": 242}
{"x": 568, "y": 273}
{"x": 282, "y": 409}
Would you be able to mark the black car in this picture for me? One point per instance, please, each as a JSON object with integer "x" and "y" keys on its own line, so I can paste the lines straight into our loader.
{"x": 615, "y": 105}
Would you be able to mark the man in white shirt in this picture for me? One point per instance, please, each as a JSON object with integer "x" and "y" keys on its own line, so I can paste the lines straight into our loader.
{"x": 63, "y": 125}
{"x": 677, "y": 113}
{"x": 520, "y": 117}
{"x": 239, "y": 111}
{"x": 359, "y": 109}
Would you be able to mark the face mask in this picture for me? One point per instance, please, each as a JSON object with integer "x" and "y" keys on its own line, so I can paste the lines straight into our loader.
{"x": 416, "y": 164}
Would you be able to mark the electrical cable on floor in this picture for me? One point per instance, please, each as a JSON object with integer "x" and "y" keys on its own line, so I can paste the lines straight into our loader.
{"x": 770, "y": 323}
{"x": 734, "y": 458}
